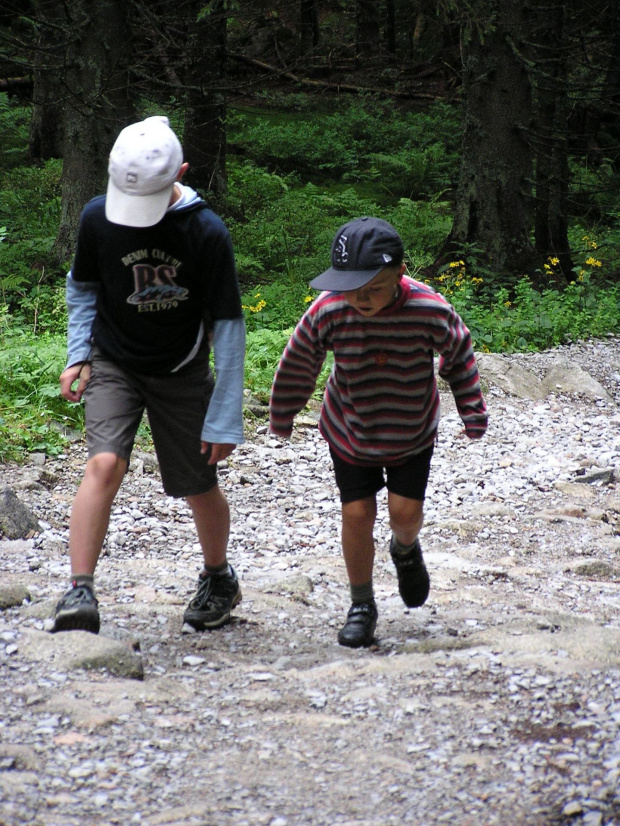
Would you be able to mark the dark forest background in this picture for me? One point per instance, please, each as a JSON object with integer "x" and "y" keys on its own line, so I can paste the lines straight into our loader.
{"x": 487, "y": 131}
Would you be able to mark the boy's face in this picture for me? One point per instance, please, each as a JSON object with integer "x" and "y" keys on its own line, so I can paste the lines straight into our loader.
{"x": 378, "y": 293}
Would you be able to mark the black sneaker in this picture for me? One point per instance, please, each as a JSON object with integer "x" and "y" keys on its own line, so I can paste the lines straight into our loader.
{"x": 214, "y": 600}
{"x": 77, "y": 610}
{"x": 413, "y": 579}
{"x": 359, "y": 629}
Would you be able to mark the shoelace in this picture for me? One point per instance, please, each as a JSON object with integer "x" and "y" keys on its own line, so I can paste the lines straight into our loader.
{"x": 80, "y": 594}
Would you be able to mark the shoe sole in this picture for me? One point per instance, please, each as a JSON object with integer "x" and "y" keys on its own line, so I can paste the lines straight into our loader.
{"x": 201, "y": 625}
{"x": 365, "y": 643}
{"x": 77, "y": 622}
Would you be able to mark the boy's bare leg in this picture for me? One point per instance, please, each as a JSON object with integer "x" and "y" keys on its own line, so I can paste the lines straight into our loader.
{"x": 406, "y": 517}
{"x": 358, "y": 547}
{"x": 358, "y": 521}
{"x": 90, "y": 514}
{"x": 212, "y": 519}
{"x": 218, "y": 587}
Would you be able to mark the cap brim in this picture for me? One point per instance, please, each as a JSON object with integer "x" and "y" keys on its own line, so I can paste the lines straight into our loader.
{"x": 136, "y": 210}
{"x": 340, "y": 281}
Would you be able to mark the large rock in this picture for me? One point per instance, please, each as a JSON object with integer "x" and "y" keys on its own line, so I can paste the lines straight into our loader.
{"x": 12, "y": 595}
{"x": 16, "y": 520}
{"x": 511, "y": 377}
{"x": 563, "y": 377}
{"x": 566, "y": 377}
{"x": 72, "y": 650}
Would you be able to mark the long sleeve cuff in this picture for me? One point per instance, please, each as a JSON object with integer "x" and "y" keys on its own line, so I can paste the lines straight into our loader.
{"x": 224, "y": 420}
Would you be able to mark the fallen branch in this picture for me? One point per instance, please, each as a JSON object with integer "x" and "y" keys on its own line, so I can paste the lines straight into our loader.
{"x": 9, "y": 84}
{"x": 323, "y": 84}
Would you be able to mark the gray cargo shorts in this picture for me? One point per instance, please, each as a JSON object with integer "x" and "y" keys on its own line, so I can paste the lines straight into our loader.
{"x": 176, "y": 405}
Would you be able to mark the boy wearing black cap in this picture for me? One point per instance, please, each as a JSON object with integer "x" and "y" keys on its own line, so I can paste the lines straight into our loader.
{"x": 152, "y": 288}
{"x": 380, "y": 411}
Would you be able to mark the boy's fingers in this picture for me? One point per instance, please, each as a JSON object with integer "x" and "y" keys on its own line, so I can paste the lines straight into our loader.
{"x": 79, "y": 373}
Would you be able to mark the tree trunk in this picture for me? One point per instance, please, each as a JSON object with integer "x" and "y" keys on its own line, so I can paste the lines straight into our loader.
{"x": 45, "y": 140}
{"x": 204, "y": 139}
{"x": 551, "y": 143}
{"x": 308, "y": 25}
{"x": 367, "y": 28}
{"x": 95, "y": 107}
{"x": 390, "y": 26}
{"x": 493, "y": 202}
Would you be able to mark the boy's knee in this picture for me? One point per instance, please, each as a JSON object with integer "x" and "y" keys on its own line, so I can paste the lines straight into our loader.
{"x": 106, "y": 468}
{"x": 406, "y": 512}
{"x": 360, "y": 510}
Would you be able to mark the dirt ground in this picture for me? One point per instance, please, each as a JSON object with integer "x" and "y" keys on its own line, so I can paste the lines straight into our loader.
{"x": 498, "y": 702}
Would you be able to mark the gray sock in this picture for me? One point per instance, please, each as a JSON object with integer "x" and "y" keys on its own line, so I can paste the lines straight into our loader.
{"x": 84, "y": 579}
{"x": 362, "y": 593}
{"x": 403, "y": 550}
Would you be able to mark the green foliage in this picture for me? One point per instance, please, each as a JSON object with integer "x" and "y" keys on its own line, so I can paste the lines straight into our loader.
{"x": 29, "y": 213}
{"x": 14, "y": 128}
{"x": 525, "y": 319}
{"x": 264, "y": 348}
{"x": 365, "y": 139}
{"x": 278, "y": 305}
{"x": 298, "y": 173}
{"x": 292, "y": 232}
{"x": 423, "y": 226}
{"x": 33, "y": 415}
{"x": 598, "y": 242}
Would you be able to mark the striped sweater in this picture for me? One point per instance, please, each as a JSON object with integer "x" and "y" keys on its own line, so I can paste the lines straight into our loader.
{"x": 381, "y": 402}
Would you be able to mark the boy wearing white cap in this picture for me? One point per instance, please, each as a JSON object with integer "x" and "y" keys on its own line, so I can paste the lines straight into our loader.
{"x": 380, "y": 411}
{"x": 152, "y": 288}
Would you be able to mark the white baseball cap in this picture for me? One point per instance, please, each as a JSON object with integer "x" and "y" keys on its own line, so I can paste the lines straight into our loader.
{"x": 144, "y": 164}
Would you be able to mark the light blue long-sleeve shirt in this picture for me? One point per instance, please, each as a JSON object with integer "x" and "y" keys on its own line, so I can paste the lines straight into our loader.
{"x": 224, "y": 419}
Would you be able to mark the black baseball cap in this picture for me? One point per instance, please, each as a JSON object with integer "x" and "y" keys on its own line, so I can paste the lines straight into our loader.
{"x": 360, "y": 250}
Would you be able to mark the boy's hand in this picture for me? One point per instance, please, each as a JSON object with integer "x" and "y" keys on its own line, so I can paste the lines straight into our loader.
{"x": 471, "y": 434}
{"x": 79, "y": 373}
{"x": 216, "y": 453}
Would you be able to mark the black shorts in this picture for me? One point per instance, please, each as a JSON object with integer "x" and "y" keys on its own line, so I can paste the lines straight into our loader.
{"x": 359, "y": 482}
{"x": 176, "y": 405}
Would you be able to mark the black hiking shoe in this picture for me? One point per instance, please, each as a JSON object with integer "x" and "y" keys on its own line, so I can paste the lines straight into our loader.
{"x": 359, "y": 629}
{"x": 215, "y": 598}
{"x": 413, "y": 579}
{"x": 77, "y": 610}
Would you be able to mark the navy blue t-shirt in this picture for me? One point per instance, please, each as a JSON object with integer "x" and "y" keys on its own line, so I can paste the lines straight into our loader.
{"x": 156, "y": 284}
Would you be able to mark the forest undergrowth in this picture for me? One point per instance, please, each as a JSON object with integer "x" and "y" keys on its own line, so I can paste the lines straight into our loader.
{"x": 294, "y": 178}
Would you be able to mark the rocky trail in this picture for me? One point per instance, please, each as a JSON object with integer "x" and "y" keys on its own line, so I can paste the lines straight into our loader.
{"x": 497, "y": 702}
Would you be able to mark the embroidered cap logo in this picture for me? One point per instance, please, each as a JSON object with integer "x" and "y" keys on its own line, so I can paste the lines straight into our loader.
{"x": 341, "y": 256}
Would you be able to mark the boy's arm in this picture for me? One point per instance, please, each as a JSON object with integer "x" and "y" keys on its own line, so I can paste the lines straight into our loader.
{"x": 224, "y": 420}
{"x": 81, "y": 297}
{"x": 296, "y": 376}
{"x": 457, "y": 365}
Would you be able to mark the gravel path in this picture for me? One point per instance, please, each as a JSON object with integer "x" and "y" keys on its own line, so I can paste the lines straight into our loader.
{"x": 498, "y": 702}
